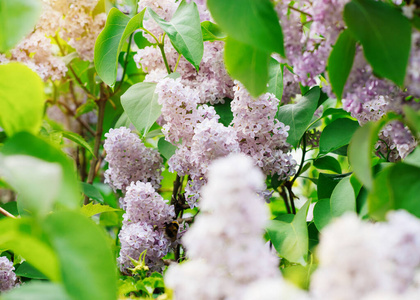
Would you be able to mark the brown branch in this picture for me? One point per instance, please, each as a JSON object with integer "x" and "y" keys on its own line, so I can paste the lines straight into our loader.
{"x": 78, "y": 119}
{"x": 6, "y": 213}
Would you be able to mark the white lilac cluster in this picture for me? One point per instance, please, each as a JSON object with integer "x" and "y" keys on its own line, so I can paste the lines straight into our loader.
{"x": 130, "y": 160}
{"x": 7, "y": 275}
{"x": 225, "y": 244}
{"x": 361, "y": 260}
{"x": 260, "y": 134}
{"x": 144, "y": 227}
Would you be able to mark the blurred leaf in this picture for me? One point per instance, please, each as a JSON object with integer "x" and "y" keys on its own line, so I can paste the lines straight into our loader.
{"x": 17, "y": 19}
{"x": 212, "y": 32}
{"x": 247, "y": 64}
{"x": 337, "y": 134}
{"x": 109, "y": 43}
{"x": 328, "y": 163}
{"x": 184, "y": 31}
{"x": 87, "y": 262}
{"x": 298, "y": 116}
{"x": 290, "y": 239}
{"x": 86, "y": 107}
{"x": 385, "y": 35}
{"x": 413, "y": 158}
{"x": 412, "y": 119}
{"x": 165, "y": 148}
{"x": 37, "y": 290}
{"x": 275, "y": 78}
{"x": 340, "y": 61}
{"x": 22, "y": 105}
{"x": 251, "y": 22}
{"x": 91, "y": 209}
{"x": 380, "y": 200}
{"x": 140, "y": 103}
{"x": 72, "y": 136}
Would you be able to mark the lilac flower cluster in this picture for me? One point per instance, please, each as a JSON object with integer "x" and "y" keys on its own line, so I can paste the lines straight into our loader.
{"x": 7, "y": 276}
{"x": 360, "y": 260}
{"x": 225, "y": 244}
{"x": 144, "y": 226}
{"x": 130, "y": 160}
{"x": 260, "y": 134}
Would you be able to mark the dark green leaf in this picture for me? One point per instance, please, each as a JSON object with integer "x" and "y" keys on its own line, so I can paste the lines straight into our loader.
{"x": 212, "y": 32}
{"x": 328, "y": 163}
{"x": 17, "y": 19}
{"x": 298, "y": 116}
{"x": 141, "y": 105}
{"x": 22, "y": 105}
{"x": 341, "y": 61}
{"x": 87, "y": 262}
{"x": 27, "y": 270}
{"x": 337, "y": 134}
{"x": 290, "y": 239}
{"x": 275, "y": 78}
{"x": 252, "y": 22}
{"x": 247, "y": 64}
{"x": 224, "y": 111}
{"x": 327, "y": 183}
{"x": 184, "y": 31}
{"x": 385, "y": 35}
{"x": 165, "y": 148}
{"x": 109, "y": 43}
{"x": 92, "y": 192}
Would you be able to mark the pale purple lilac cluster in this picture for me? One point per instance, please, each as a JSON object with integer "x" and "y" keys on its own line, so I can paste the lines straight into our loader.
{"x": 8, "y": 277}
{"x": 361, "y": 260}
{"x": 260, "y": 134}
{"x": 225, "y": 246}
{"x": 130, "y": 160}
{"x": 144, "y": 226}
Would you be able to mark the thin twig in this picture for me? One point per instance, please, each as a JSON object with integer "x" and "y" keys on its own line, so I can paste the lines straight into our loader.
{"x": 6, "y": 213}
{"x": 300, "y": 11}
{"x": 78, "y": 119}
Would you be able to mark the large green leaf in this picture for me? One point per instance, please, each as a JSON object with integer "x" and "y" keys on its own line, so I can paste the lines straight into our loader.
{"x": 385, "y": 35}
{"x": 343, "y": 198}
{"x": 322, "y": 213}
{"x": 275, "y": 78}
{"x": 340, "y": 62}
{"x": 247, "y": 64}
{"x": 290, "y": 236}
{"x": 140, "y": 103}
{"x": 184, "y": 31}
{"x": 252, "y": 22}
{"x": 337, "y": 134}
{"x": 27, "y": 144}
{"x": 21, "y": 99}
{"x": 21, "y": 236}
{"x": 298, "y": 116}
{"x": 327, "y": 183}
{"x": 380, "y": 200}
{"x": 87, "y": 262}
{"x": 109, "y": 43}
{"x": 37, "y": 290}
{"x": 17, "y": 19}
{"x": 328, "y": 163}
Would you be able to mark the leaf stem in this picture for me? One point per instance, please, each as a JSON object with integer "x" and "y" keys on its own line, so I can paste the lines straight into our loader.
{"x": 177, "y": 62}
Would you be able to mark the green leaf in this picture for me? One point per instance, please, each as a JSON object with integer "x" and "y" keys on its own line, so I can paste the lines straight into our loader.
{"x": 92, "y": 192}
{"x": 184, "y": 31}
{"x": 20, "y": 236}
{"x": 380, "y": 200}
{"x": 290, "y": 239}
{"x": 343, "y": 198}
{"x": 165, "y": 148}
{"x": 91, "y": 209}
{"x": 252, "y": 22}
{"x": 86, "y": 107}
{"x": 247, "y": 64}
{"x": 140, "y": 103}
{"x": 328, "y": 163}
{"x": 413, "y": 158}
{"x": 275, "y": 78}
{"x": 37, "y": 290}
{"x": 340, "y": 62}
{"x": 27, "y": 270}
{"x": 109, "y": 43}
{"x": 327, "y": 183}
{"x": 322, "y": 213}
{"x": 26, "y": 144}
{"x": 212, "y": 32}
{"x": 412, "y": 118}
{"x": 17, "y": 19}
{"x": 385, "y": 35}
{"x": 224, "y": 111}
{"x": 86, "y": 259}
{"x": 337, "y": 134}
{"x": 22, "y": 105}
{"x": 36, "y": 181}
{"x": 298, "y": 116}
{"x": 72, "y": 136}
